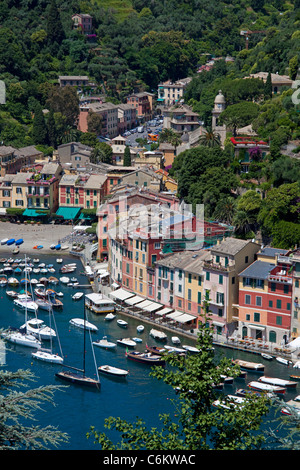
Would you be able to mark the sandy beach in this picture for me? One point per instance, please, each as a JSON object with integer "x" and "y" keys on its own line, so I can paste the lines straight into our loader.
{"x": 44, "y": 234}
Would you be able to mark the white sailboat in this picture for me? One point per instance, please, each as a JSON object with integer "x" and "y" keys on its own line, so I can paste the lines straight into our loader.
{"x": 78, "y": 376}
{"x": 47, "y": 355}
{"x": 23, "y": 338}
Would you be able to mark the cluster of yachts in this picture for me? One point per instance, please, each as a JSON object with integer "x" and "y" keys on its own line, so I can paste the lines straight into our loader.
{"x": 35, "y": 295}
{"x": 263, "y": 385}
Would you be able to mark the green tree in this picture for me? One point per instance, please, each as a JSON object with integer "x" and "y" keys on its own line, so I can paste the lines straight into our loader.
{"x": 127, "y": 156}
{"x": 64, "y": 100}
{"x": 55, "y": 32}
{"x": 268, "y": 87}
{"x": 293, "y": 67}
{"x": 199, "y": 426}
{"x": 51, "y": 129}
{"x": 239, "y": 115}
{"x": 210, "y": 138}
{"x": 17, "y": 407}
{"x": 102, "y": 152}
{"x": 39, "y": 129}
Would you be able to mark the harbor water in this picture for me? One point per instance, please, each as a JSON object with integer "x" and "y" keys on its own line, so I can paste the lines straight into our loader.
{"x": 138, "y": 395}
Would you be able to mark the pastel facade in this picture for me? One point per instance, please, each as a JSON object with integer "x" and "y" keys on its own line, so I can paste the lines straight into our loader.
{"x": 85, "y": 191}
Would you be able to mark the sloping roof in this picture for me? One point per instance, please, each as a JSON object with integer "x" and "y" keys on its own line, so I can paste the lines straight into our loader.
{"x": 230, "y": 246}
{"x": 258, "y": 270}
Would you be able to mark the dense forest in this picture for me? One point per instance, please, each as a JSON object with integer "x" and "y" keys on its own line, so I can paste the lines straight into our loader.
{"x": 138, "y": 43}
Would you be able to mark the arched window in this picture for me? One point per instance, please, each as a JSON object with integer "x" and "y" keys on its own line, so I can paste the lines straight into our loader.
{"x": 272, "y": 337}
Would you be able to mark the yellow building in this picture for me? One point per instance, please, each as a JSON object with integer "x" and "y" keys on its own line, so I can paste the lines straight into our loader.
{"x": 20, "y": 190}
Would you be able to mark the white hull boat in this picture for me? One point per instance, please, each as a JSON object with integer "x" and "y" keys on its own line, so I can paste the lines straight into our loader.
{"x": 157, "y": 334}
{"x": 262, "y": 387}
{"x": 232, "y": 401}
{"x": 109, "y": 316}
{"x": 103, "y": 343}
{"x": 64, "y": 279}
{"x": 59, "y": 260}
{"x": 127, "y": 342}
{"x": 190, "y": 349}
{"x": 267, "y": 356}
{"x": 175, "y": 340}
{"x": 249, "y": 366}
{"x": 47, "y": 357}
{"x": 38, "y": 329}
{"x": 109, "y": 370}
{"x": 122, "y": 323}
{"x": 24, "y": 304}
{"x": 175, "y": 349}
{"x": 77, "y": 296}
{"x": 278, "y": 382}
{"x": 84, "y": 324}
{"x": 23, "y": 339}
{"x": 284, "y": 361}
{"x": 140, "y": 328}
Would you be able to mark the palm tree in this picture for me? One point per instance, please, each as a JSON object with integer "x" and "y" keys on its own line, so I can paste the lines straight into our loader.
{"x": 210, "y": 138}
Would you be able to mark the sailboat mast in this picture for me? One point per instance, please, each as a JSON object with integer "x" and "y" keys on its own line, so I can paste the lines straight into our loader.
{"x": 84, "y": 328}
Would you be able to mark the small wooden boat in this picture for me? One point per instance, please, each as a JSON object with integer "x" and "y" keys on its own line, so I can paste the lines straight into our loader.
{"x": 122, "y": 323}
{"x": 262, "y": 387}
{"x": 295, "y": 377}
{"x": 15, "y": 251}
{"x": 109, "y": 370}
{"x": 146, "y": 358}
{"x": 267, "y": 356}
{"x": 84, "y": 324}
{"x": 126, "y": 342}
{"x": 278, "y": 382}
{"x": 156, "y": 349}
{"x": 157, "y": 334}
{"x": 242, "y": 392}
{"x": 249, "y": 366}
{"x": 284, "y": 361}
{"x": 103, "y": 343}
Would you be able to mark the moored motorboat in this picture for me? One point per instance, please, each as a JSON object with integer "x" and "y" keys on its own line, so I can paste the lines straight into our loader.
{"x": 277, "y": 381}
{"x": 126, "y": 342}
{"x": 145, "y": 358}
{"x": 262, "y": 387}
{"x": 157, "y": 334}
{"x": 175, "y": 340}
{"x": 156, "y": 349}
{"x": 22, "y": 339}
{"x": 77, "y": 296}
{"x": 109, "y": 316}
{"x": 81, "y": 323}
{"x": 229, "y": 402}
{"x": 293, "y": 406}
{"x": 122, "y": 323}
{"x": 191, "y": 349}
{"x": 115, "y": 371}
{"x": 4, "y": 241}
{"x": 249, "y": 366}
{"x": 284, "y": 361}
{"x": 104, "y": 343}
{"x": 267, "y": 356}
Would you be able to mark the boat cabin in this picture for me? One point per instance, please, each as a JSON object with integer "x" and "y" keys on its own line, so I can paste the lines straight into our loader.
{"x": 99, "y": 303}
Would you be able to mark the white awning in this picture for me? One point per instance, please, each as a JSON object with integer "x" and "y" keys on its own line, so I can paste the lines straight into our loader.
{"x": 185, "y": 318}
{"x": 153, "y": 306}
{"x": 164, "y": 311}
{"x": 134, "y": 300}
{"x": 173, "y": 315}
{"x": 121, "y": 294}
{"x": 218, "y": 323}
{"x": 144, "y": 304}
{"x": 257, "y": 327}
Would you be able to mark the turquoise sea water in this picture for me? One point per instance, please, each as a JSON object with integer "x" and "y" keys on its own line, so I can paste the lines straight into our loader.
{"x": 78, "y": 408}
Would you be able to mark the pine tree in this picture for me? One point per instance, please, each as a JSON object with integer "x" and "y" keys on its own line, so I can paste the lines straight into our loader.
{"x": 268, "y": 87}
{"x": 39, "y": 129}
{"x": 127, "y": 157}
{"x": 51, "y": 128}
{"x": 55, "y": 32}
{"x": 16, "y": 407}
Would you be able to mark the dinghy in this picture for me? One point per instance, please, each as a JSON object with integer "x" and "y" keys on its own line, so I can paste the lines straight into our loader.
{"x": 103, "y": 343}
{"x": 109, "y": 370}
